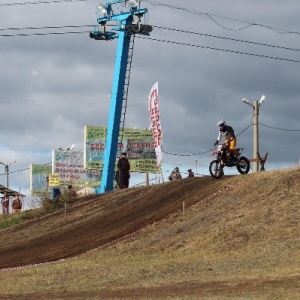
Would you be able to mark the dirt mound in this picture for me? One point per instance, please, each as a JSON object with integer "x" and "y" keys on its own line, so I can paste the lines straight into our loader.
{"x": 238, "y": 237}
{"x": 101, "y": 221}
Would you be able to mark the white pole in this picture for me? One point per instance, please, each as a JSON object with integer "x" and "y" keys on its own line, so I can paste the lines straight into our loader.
{"x": 146, "y": 178}
{"x": 255, "y": 136}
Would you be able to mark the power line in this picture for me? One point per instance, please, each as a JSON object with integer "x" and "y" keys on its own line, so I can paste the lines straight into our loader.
{"x": 25, "y": 169}
{"x": 248, "y": 24}
{"x": 220, "y": 49}
{"x": 244, "y": 129}
{"x": 39, "y": 2}
{"x": 159, "y": 27}
{"x": 227, "y": 38}
{"x": 45, "y": 27}
{"x": 207, "y": 151}
{"x": 148, "y": 38}
{"x": 204, "y": 152}
{"x": 192, "y": 11}
{"x": 43, "y": 33}
{"x": 278, "y": 128}
{"x": 190, "y": 154}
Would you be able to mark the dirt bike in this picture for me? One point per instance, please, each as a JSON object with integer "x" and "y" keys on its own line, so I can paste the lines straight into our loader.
{"x": 228, "y": 158}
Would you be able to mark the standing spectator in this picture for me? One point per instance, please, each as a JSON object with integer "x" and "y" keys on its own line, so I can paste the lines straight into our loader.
{"x": 72, "y": 190}
{"x": 175, "y": 174}
{"x": 190, "y": 173}
{"x": 17, "y": 204}
{"x": 123, "y": 171}
{"x": 5, "y": 204}
{"x": 116, "y": 180}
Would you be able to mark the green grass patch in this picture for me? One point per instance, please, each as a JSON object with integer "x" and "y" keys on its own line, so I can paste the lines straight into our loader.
{"x": 10, "y": 222}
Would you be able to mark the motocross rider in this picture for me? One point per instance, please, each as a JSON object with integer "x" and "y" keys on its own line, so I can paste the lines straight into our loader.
{"x": 230, "y": 138}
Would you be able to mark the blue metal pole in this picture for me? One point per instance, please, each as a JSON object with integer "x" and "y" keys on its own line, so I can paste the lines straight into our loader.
{"x": 116, "y": 103}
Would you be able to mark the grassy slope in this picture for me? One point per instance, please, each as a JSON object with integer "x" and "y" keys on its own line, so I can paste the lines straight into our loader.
{"x": 243, "y": 244}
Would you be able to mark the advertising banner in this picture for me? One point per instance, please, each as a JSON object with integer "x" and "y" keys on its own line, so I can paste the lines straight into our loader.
{"x": 155, "y": 122}
{"x": 53, "y": 180}
{"x": 69, "y": 165}
{"x": 138, "y": 144}
{"x": 39, "y": 180}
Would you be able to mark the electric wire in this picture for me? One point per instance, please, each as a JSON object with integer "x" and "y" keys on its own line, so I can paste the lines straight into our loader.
{"x": 204, "y": 152}
{"x": 221, "y": 49}
{"x": 44, "y": 33}
{"x": 244, "y": 129}
{"x": 160, "y": 40}
{"x": 25, "y": 169}
{"x": 153, "y": 39}
{"x": 278, "y": 128}
{"x": 155, "y": 3}
{"x": 45, "y": 27}
{"x": 211, "y": 16}
{"x": 39, "y": 2}
{"x": 155, "y": 26}
{"x": 226, "y": 38}
{"x": 190, "y": 154}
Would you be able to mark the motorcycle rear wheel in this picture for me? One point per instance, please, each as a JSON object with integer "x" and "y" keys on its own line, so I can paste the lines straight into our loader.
{"x": 215, "y": 169}
{"x": 243, "y": 165}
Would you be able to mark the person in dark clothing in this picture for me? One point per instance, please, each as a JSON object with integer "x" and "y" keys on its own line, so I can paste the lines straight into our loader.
{"x": 72, "y": 190}
{"x": 5, "y": 204}
{"x": 123, "y": 171}
{"x": 17, "y": 204}
{"x": 190, "y": 173}
{"x": 175, "y": 174}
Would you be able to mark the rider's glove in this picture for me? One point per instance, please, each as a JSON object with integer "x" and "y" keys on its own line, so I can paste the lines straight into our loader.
{"x": 216, "y": 143}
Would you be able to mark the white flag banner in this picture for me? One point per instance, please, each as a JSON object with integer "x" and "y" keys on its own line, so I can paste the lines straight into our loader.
{"x": 155, "y": 122}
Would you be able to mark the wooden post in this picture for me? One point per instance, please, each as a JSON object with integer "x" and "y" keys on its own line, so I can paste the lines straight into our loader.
{"x": 65, "y": 209}
{"x": 261, "y": 160}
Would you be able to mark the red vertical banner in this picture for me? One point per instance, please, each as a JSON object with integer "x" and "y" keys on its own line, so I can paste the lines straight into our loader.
{"x": 155, "y": 124}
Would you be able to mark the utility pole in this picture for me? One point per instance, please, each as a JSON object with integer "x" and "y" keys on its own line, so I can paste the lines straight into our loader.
{"x": 124, "y": 31}
{"x": 6, "y": 167}
{"x": 256, "y": 104}
{"x": 146, "y": 178}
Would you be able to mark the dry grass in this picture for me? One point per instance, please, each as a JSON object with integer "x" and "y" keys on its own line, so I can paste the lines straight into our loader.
{"x": 244, "y": 244}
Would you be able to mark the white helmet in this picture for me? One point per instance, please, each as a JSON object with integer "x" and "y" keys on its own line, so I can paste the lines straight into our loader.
{"x": 221, "y": 123}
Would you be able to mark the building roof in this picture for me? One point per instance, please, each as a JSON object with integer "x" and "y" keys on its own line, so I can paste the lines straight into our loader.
{"x": 9, "y": 192}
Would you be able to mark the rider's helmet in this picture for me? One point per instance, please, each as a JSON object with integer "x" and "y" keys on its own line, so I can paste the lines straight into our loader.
{"x": 221, "y": 123}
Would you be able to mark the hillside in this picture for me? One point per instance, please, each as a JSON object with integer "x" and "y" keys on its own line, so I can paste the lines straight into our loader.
{"x": 192, "y": 238}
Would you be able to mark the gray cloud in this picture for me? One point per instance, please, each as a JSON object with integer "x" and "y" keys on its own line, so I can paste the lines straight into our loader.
{"x": 53, "y": 85}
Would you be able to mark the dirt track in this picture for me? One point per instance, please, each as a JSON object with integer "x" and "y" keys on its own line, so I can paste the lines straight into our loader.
{"x": 98, "y": 222}
{"x": 108, "y": 218}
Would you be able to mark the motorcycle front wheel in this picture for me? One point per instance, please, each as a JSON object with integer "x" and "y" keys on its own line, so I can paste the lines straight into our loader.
{"x": 243, "y": 165}
{"x": 215, "y": 169}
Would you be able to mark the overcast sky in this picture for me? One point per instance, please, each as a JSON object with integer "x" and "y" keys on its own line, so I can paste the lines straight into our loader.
{"x": 206, "y": 56}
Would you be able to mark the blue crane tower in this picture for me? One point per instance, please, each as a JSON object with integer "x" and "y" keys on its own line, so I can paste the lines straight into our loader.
{"x": 125, "y": 32}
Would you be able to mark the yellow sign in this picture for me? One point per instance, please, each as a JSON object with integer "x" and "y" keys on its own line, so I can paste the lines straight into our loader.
{"x": 53, "y": 179}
